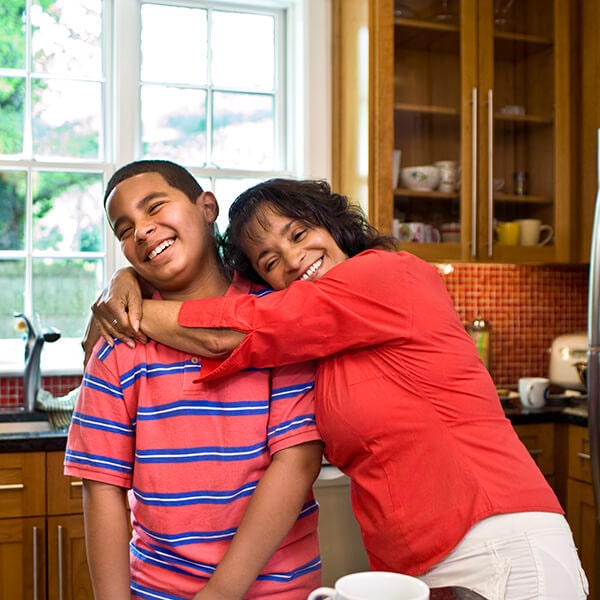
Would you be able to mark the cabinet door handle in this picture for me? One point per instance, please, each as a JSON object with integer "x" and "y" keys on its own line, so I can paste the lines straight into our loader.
{"x": 60, "y": 561}
{"x": 77, "y": 483}
{"x": 474, "y": 111}
{"x": 11, "y": 486}
{"x": 35, "y": 562}
{"x": 536, "y": 451}
{"x": 584, "y": 455}
{"x": 490, "y": 182}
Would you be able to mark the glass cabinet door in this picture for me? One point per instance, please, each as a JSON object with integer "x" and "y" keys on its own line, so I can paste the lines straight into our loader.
{"x": 482, "y": 95}
{"x": 523, "y": 136}
{"x": 430, "y": 166}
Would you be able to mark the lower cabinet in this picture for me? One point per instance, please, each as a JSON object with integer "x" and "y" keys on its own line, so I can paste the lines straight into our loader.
{"x": 581, "y": 506}
{"x": 42, "y": 549}
{"x": 538, "y": 438}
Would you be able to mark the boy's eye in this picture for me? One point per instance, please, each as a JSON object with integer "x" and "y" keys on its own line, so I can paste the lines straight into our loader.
{"x": 154, "y": 207}
{"x": 123, "y": 233}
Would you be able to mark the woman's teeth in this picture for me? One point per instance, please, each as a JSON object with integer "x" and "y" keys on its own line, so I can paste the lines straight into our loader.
{"x": 312, "y": 270}
{"x": 160, "y": 248}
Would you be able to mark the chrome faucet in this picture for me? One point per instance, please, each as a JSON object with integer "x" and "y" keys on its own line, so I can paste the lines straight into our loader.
{"x": 33, "y": 351}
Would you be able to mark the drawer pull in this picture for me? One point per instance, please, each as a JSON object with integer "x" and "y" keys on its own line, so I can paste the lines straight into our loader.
{"x": 536, "y": 451}
{"x": 77, "y": 484}
{"x": 583, "y": 455}
{"x": 12, "y": 486}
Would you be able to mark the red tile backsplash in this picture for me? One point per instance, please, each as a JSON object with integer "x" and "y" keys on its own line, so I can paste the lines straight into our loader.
{"x": 526, "y": 306}
{"x": 11, "y": 388}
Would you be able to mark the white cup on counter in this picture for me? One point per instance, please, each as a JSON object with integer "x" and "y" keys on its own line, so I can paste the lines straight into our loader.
{"x": 533, "y": 391}
{"x": 373, "y": 585}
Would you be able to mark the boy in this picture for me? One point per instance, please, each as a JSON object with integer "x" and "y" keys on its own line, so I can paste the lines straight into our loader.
{"x": 220, "y": 473}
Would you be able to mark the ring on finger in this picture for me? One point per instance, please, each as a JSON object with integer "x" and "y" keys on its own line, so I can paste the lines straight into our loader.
{"x": 115, "y": 323}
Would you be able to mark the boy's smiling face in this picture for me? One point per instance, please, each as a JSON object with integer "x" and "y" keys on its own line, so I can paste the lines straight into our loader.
{"x": 166, "y": 237}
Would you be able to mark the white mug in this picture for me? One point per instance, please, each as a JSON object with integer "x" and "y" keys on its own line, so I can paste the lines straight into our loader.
{"x": 533, "y": 391}
{"x": 432, "y": 235}
{"x": 410, "y": 232}
{"x": 531, "y": 230}
{"x": 373, "y": 585}
{"x": 448, "y": 175}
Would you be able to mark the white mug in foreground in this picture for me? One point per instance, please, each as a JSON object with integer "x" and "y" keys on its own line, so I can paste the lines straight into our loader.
{"x": 373, "y": 585}
{"x": 533, "y": 391}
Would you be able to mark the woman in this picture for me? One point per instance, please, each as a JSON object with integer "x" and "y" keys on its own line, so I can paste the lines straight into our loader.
{"x": 442, "y": 487}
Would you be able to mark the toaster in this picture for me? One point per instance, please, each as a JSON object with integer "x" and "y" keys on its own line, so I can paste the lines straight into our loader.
{"x": 564, "y": 352}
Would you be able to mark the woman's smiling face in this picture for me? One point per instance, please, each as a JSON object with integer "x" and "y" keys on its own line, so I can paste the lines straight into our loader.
{"x": 282, "y": 249}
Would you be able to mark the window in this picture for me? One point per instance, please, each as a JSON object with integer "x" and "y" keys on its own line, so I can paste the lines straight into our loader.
{"x": 86, "y": 86}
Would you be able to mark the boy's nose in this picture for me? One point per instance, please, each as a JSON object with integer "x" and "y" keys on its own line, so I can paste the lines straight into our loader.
{"x": 142, "y": 232}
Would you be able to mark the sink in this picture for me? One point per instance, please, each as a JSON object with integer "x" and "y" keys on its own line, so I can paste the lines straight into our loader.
{"x": 23, "y": 426}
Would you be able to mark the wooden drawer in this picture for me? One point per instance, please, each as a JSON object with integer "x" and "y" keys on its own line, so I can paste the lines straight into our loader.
{"x": 22, "y": 484}
{"x": 538, "y": 438}
{"x": 580, "y": 466}
{"x": 64, "y": 492}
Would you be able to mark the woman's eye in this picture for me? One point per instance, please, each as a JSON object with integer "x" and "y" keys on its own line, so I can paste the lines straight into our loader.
{"x": 270, "y": 264}
{"x": 299, "y": 234}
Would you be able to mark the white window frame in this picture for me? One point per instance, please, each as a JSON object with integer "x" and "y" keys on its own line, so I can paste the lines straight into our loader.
{"x": 308, "y": 142}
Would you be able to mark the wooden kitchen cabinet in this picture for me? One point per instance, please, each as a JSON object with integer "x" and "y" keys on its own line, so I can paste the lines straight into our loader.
{"x": 581, "y": 506}
{"x": 538, "y": 438}
{"x": 42, "y": 549}
{"x": 68, "y": 574}
{"x": 490, "y": 94}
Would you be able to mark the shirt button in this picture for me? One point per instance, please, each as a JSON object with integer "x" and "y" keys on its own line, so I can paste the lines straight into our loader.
{"x": 194, "y": 360}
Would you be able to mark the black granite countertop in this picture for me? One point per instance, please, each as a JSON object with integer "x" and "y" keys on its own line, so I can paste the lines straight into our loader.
{"x": 574, "y": 414}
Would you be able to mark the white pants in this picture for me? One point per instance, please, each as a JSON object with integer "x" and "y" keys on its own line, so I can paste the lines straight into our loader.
{"x": 520, "y": 556}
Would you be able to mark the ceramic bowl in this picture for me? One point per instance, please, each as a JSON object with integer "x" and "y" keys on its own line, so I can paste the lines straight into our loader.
{"x": 420, "y": 179}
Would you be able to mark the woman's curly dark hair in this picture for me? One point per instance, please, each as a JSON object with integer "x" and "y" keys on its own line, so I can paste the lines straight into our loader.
{"x": 309, "y": 201}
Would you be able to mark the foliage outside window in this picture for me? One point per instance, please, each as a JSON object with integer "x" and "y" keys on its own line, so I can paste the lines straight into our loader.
{"x": 209, "y": 92}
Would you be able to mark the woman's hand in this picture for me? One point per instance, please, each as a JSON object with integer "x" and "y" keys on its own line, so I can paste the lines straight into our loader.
{"x": 116, "y": 313}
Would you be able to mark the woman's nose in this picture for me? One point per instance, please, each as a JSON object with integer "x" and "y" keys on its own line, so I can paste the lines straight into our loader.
{"x": 293, "y": 259}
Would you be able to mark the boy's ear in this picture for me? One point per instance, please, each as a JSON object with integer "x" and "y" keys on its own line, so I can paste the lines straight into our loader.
{"x": 208, "y": 203}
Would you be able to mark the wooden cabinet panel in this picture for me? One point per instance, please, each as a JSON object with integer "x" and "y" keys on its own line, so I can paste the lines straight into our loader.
{"x": 64, "y": 493}
{"x": 32, "y": 483}
{"x": 22, "y": 484}
{"x": 68, "y": 574}
{"x": 581, "y": 514}
{"x": 538, "y": 438}
{"x": 23, "y": 559}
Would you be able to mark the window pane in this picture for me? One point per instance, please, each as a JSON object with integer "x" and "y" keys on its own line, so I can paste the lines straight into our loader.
{"x": 13, "y": 185}
{"x": 12, "y": 290}
{"x": 174, "y": 44}
{"x": 243, "y": 131}
{"x": 68, "y": 212}
{"x": 226, "y": 191}
{"x": 63, "y": 291}
{"x": 253, "y": 67}
{"x": 66, "y": 38}
{"x": 12, "y": 106}
{"x": 12, "y": 34}
{"x": 174, "y": 124}
{"x": 66, "y": 119}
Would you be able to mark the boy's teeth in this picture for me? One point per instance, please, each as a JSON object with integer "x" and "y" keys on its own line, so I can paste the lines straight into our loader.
{"x": 312, "y": 269}
{"x": 159, "y": 249}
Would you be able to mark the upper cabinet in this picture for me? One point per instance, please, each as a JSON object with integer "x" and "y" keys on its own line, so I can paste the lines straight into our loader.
{"x": 484, "y": 85}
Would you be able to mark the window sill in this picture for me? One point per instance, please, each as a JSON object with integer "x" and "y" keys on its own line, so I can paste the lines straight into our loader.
{"x": 63, "y": 357}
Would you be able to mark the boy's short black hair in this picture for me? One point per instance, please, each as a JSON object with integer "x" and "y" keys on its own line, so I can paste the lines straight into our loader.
{"x": 175, "y": 175}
